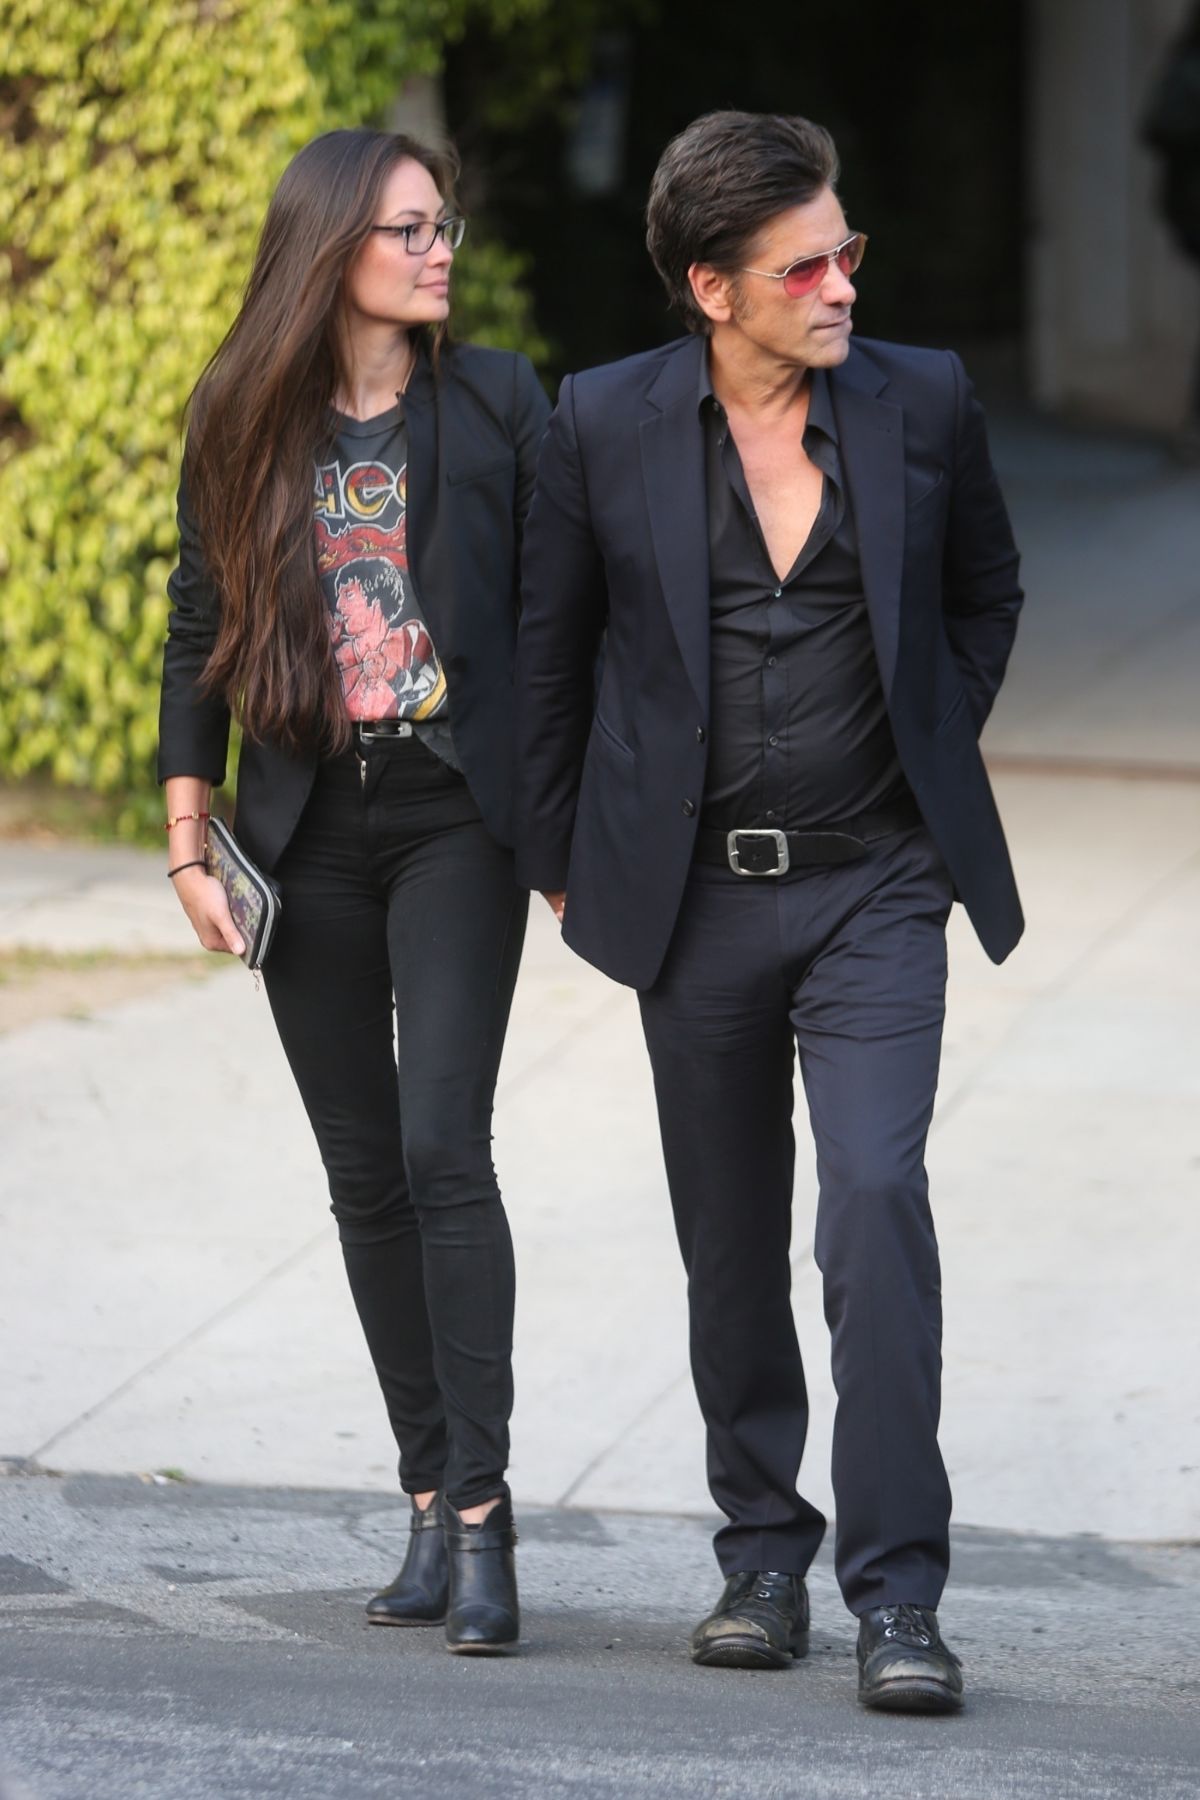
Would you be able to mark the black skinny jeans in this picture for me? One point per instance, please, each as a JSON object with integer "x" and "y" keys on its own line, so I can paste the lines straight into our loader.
{"x": 392, "y": 886}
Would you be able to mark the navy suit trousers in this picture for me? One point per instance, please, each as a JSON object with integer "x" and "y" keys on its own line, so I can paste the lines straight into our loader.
{"x": 847, "y": 964}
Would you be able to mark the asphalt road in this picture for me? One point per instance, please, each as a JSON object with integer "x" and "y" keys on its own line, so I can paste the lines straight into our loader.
{"x": 198, "y": 1641}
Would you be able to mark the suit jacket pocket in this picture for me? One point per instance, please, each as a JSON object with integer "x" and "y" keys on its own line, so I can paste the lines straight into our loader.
{"x": 950, "y": 717}
{"x": 501, "y": 464}
{"x": 914, "y": 501}
{"x": 606, "y": 734}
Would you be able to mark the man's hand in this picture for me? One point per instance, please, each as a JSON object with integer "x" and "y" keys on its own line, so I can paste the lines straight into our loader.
{"x": 556, "y": 903}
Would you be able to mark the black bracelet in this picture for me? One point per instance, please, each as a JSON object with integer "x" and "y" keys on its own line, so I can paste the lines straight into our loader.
{"x": 197, "y": 862}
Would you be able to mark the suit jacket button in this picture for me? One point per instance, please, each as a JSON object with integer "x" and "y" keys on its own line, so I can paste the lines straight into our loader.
{"x": 689, "y": 807}
{"x": 700, "y": 734}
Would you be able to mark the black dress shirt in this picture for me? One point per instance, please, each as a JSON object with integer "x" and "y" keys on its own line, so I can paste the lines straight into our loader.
{"x": 799, "y": 732}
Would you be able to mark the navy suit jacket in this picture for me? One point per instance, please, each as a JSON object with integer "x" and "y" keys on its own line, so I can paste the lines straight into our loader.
{"x": 609, "y": 784}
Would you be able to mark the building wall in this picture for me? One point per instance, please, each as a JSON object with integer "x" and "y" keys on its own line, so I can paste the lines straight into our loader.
{"x": 1114, "y": 313}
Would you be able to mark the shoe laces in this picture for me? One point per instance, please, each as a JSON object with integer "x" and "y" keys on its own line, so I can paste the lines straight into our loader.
{"x": 907, "y": 1625}
{"x": 767, "y": 1585}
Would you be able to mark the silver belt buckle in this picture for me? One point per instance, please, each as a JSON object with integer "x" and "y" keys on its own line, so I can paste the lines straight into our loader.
{"x": 781, "y": 850}
{"x": 402, "y": 729}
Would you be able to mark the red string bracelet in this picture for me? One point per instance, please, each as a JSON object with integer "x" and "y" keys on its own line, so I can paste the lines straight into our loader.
{"x": 181, "y": 818}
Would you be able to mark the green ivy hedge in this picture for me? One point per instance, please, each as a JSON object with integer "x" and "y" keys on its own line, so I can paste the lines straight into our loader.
{"x": 139, "y": 143}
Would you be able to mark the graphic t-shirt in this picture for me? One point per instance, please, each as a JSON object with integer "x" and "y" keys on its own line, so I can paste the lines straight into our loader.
{"x": 389, "y": 666}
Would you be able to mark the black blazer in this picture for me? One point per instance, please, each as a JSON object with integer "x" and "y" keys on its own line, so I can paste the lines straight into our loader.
{"x": 473, "y": 435}
{"x": 616, "y": 548}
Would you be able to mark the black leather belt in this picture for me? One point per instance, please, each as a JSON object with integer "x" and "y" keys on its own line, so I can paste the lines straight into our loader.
{"x": 369, "y": 731}
{"x": 762, "y": 850}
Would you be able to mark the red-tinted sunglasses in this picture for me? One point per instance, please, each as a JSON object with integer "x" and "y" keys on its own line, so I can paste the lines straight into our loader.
{"x": 806, "y": 274}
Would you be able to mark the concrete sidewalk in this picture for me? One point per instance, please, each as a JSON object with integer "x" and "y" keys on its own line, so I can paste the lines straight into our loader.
{"x": 171, "y": 1293}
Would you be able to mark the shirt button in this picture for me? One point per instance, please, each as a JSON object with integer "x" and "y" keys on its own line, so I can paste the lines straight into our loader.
{"x": 778, "y": 592}
{"x": 700, "y": 734}
{"x": 772, "y": 741}
{"x": 771, "y": 661}
{"x": 689, "y": 807}
{"x": 770, "y": 815}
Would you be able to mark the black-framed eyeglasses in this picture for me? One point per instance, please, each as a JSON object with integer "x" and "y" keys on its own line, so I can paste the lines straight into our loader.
{"x": 806, "y": 274}
{"x": 420, "y": 237}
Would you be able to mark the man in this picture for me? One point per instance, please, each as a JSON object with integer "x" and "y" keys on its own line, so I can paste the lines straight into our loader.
{"x": 796, "y": 557}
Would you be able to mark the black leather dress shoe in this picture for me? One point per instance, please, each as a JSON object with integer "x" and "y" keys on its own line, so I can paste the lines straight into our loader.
{"x": 483, "y": 1618}
{"x": 760, "y": 1622}
{"x": 903, "y": 1665}
{"x": 418, "y": 1594}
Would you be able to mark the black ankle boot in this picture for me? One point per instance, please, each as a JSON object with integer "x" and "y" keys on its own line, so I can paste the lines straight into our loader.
{"x": 418, "y": 1594}
{"x": 482, "y": 1618}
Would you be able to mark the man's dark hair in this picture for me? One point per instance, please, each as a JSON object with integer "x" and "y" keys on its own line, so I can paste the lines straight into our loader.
{"x": 719, "y": 182}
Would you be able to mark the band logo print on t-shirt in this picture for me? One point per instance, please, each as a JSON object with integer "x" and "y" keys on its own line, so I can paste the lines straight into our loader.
{"x": 388, "y": 664}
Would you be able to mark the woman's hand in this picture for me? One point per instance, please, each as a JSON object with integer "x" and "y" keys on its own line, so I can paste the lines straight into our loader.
{"x": 556, "y": 903}
{"x": 200, "y": 894}
{"x": 203, "y": 900}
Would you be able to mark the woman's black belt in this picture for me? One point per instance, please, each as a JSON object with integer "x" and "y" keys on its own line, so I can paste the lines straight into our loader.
{"x": 366, "y": 731}
{"x": 765, "y": 850}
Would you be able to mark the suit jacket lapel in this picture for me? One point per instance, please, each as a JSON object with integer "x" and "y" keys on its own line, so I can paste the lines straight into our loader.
{"x": 423, "y": 483}
{"x": 672, "y": 449}
{"x": 871, "y": 444}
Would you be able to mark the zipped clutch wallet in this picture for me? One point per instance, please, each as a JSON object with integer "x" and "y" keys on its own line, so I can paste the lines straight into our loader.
{"x": 254, "y": 899}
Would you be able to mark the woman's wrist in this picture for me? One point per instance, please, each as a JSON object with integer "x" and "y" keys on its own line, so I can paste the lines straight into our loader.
{"x": 188, "y": 801}
{"x": 184, "y": 846}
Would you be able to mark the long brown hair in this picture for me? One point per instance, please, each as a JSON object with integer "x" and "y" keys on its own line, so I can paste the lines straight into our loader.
{"x": 261, "y": 413}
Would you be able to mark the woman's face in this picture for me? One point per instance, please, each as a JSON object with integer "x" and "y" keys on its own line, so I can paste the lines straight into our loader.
{"x": 386, "y": 284}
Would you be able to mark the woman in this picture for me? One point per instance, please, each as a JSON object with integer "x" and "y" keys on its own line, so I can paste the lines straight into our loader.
{"x": 350, "y": 516}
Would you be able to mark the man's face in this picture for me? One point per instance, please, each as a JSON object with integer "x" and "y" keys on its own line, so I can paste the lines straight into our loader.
{"x": 813, "y": 330}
